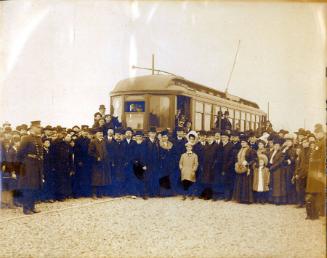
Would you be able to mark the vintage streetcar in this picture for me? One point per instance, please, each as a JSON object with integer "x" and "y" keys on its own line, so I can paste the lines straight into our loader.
{"x": 154, "y": 100}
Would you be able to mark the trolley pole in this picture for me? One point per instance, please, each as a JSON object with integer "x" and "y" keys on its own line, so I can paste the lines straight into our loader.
{"x": 268, "y": 111}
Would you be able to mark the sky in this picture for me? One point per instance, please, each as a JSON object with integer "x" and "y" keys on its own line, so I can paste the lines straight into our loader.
{"x": 60, "y": 59}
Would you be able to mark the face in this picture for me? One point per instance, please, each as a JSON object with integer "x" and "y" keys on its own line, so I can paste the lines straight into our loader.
{"x": 298, "y": 151}
{"x": 261, "y": 145}
{"x": 289, "y": 142}
{"x": 37, "y": 130}
{"x": 68, "y": 138}
{"x": 300, "y": 137}
{"x": 211, "y": 138}
{"x": 189, "y": 148}
{"x": 47, "y": 132}
{"x": 202, "y": 137}
{"x": 138, "y": 138}
{"x": 117, "y": 136}
{"x": 320, "y": 135}
{"x": 99, "y": 135}
{"x": 261, "y": 162}
{"x": 152, "y": 135}
{"x": 180, "y": 133}
{"x": 110, "y": 132}
{"x": 164, "y": 138}
{"x": 217, "y": 136}
{"x": 128, "y": 134}
{"x": 191, "y": 139}
{"x": 224, "y": 138}
{"x": 305, "y": 144}
{"x": 253, "y": 139}
{"x": 312, "y": 145}
{"x": 108, "y": 119}
{"x": 23, "y": 131}
{"x": 188, "y": 124}
{"x": 102, "y": 110}
{"x": 84, "y": 133}
{"x": 276, "y": 146}
{"x": 101, "y": 122}
{"x": 46, "y": 144}
{"x": 312, "y": 139}
{"x": 97, "y": 117}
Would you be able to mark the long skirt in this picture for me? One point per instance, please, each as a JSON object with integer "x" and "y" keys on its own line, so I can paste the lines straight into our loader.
{"x": 243, "y": 188}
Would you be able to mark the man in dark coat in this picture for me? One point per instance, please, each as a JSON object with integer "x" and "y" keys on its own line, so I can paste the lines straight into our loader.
{"x": 209, "y": 160}
{"x": 49, "y": 187}
{"x": 62, "y": 164}
{"x": 151, "y": 180}
{"x": 129, "y": 153}
{"x": 227, "y": 171}
{"x": 140, "y": 166}
{"x": 100, "y": 176}
{"x": 226, "y": 125}
{"x": 316, "y": 179}
{"x": 110, "y": 143}
{"x": 119, "y": 165}
{"x": 30, "y": 154}
{"x": 179, "y": 144}
{"x": 82, "y": 179}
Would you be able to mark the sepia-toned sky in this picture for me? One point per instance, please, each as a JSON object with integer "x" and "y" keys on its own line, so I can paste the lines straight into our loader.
{"x": 60, "y": 59}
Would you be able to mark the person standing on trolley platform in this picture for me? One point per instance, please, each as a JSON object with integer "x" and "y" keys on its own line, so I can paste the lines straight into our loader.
{"x": 226, "y": 125}
{"x": 30, "y": 155}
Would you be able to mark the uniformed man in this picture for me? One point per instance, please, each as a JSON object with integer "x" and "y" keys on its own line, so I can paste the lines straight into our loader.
{"x": 102, "y": 110}
{"x": 30, "y": 154}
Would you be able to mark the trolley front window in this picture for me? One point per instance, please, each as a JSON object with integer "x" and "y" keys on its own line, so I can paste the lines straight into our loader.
{"x": 159, "y": 111}
{"x": 135, "y": 120}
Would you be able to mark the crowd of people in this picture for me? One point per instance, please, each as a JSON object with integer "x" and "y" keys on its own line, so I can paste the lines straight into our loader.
{"x": 54, "y": 163}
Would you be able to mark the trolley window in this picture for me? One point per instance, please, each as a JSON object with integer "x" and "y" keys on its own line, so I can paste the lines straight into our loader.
{"x": 134, "y": 106}
{"x": 117, "y": 106}
{"x": 135, "y": 120}
{"x": 198, "y": 115}
{"x": 159, "y": 111}
{"x": 207, "y": 117}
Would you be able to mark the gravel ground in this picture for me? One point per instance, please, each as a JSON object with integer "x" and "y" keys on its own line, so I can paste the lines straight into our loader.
{"x": 169, "y": 227}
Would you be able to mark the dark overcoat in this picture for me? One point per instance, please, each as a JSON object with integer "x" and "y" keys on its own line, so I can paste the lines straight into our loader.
{"x": 209, "y": 160}
{"x": 101, "y": 175}
{"x": 316, "y": 172}
{"x": 30, "y": 154}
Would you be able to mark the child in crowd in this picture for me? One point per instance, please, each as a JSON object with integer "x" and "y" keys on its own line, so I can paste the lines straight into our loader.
{"x": 188, "y": 166}
{"x": 261, "y": 177}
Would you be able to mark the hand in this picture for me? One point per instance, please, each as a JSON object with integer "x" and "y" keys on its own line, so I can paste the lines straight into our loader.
{"x": 244, "y": 163}
{"x": 98, "y": 159}
{"x": 144, "y": 168}
{"x": 71, "y": 173}
{"x": 13, "y": 175}
{"x": 3, "y": 168}
{"x": 223, "y": 173}
{"x": 248, "y": 173}
{"x": 80, "y": 163}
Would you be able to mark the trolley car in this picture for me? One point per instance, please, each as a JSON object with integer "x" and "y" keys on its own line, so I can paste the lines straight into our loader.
{"x": 153, "y": 100}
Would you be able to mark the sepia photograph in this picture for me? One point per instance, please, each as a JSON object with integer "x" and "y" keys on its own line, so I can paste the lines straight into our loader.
{"x": 155, "y": 129}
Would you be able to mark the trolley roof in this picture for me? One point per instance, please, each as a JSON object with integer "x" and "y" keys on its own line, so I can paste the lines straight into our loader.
{"x": 162, "y": 82}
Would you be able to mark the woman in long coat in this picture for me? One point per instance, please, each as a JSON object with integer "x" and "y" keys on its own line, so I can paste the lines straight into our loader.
{"x": 246, "y": 157}
{"x": 277, "y": 174}
{"x": 288, "y": 167}
{"x": 100, "y": 176}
